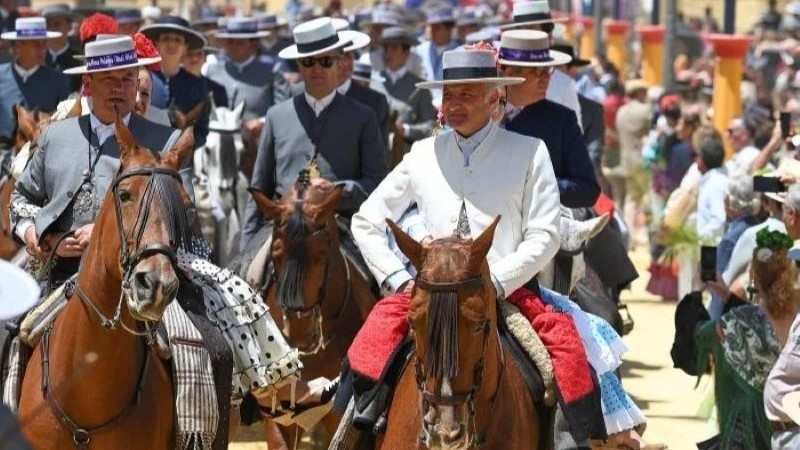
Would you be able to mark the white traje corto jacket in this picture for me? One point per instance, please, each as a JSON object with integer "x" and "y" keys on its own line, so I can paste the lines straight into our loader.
{"x": 508, "y": 175}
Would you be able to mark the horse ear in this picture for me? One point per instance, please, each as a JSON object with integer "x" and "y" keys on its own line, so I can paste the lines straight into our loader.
{"x": 411, "y": 248}
{"x": 238, "y": 110}
{"x": 76, "y": 110}
{"x": 481, "y": 245}
{"x": 25, "y": 121}
{"x": 182, "y": 149}
{"x": 125, "y": 139}
{"x": 320, "y": 212}
{"x": 269, "y": 208}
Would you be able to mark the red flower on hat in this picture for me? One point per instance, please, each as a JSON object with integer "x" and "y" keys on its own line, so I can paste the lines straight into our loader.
{"x": 146, "y": 49}
{"x": 97, "y": 24}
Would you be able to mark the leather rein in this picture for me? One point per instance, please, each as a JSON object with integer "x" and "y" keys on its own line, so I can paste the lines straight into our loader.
{"x": 81, "y": 436}
{"x": 458, "y": 399}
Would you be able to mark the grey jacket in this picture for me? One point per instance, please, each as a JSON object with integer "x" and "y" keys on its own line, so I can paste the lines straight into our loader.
{"x": 350, "y": 149}
{"x": 46, "y": 189}
{"x": 254, "y": 85}
{"x": 413, "y": 106}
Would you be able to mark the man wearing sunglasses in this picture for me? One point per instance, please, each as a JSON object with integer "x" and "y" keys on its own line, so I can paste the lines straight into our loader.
{"x": 319, "y": 129}
{"x": 527, "y": 54}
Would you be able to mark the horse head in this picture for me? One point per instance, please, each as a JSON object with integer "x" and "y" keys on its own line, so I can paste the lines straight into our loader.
{"x": 144, "y": 221}
{"x": 452, "y": 313}
{"x": 305, "y": 239}
{"x": 29, "y": 125}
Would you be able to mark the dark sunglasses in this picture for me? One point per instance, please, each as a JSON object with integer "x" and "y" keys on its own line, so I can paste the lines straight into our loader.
{"x": 324, "y": 62}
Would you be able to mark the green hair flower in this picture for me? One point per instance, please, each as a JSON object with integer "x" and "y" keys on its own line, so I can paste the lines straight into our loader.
{"x": 774, "y": 240}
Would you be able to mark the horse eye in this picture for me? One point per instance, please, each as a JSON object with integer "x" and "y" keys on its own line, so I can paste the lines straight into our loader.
{"x": 124, "y": 196}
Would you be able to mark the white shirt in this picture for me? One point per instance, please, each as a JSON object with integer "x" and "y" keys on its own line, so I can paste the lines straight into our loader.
{"x": 743, "y": 250}
{"x": 510, "y": 175}
{"x": 103, "y": 132}
{"x": 25, "y": 73}
{"x": 711, "y": 206}
{"x": 742, "y": 160}
{"x": 562, "y": 89}
{"x": 784, "y": 376}
{"x": 395, "y": 75}
{"x": 243, "y": 65}
{"x": 344, "y": 87}
{"x": 318, "y": 105}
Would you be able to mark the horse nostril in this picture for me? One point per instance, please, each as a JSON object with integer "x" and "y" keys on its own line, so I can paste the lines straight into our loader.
{"x": 146, "y": 282}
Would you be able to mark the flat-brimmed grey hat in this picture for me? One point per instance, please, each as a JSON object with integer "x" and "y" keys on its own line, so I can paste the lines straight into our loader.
{"x": 30, "y": 29}
{"x": 315, "y": 37}
{"x": 484, "y": 35}
{"x": 536, "y": 12}
{"x": 362, "y": 71}
{"x": 128, "y": 15}
{"x": 529, "y": 48}
{"x": 241, "y": 28}
{"x": 442, "y": 15}
{"x": 462, "y": 66}
{"x": 467, "y": 18}
{"x": 399, "y": 35}
{"x": 385, "y": 17}
{"x": 270, "y": 22}
{"x": 57, "y": 10}
{"x": 18, "y": 291}
{"x": 175, "y": 24}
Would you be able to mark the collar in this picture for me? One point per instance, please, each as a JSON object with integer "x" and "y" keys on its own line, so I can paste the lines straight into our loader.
{"x": 344, "y": 87}
{"x": 102, "y": 130}
{"x": 319, "y": 105}
{"x": 243, "y": 65}
{"x": 468, "y": 145}
{"x": 23, "y": 73}
{"x": 56, "y": 53}
{"x": 395, "y": 75}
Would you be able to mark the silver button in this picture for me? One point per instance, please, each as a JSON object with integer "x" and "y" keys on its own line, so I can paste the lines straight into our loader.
{"x": 69, "y": 194}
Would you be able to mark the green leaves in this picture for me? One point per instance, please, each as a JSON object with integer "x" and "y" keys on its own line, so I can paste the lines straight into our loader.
{"x": 773, "y": 240}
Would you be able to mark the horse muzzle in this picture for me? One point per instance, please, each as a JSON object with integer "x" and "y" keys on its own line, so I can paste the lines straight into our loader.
{"x": 443, "y": 431}
{"x": 150, "y": 293}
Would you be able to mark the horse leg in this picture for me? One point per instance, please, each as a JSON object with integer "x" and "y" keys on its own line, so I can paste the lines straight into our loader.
{"x": 275, "y": 438}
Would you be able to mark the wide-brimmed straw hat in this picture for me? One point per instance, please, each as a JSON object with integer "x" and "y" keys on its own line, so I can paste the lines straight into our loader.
{"x": 18, "y": 291}
{"x": 399, "y": 35}
{"x": 462, "y": 66}
{"x": 114, "y": 53}
{"x": 57, "y": 10}
{"x": 241, "y": 28}
{"x": 357, "y": 40}
{"x": 269, "y": 22}
{"x": 315, "y": 37}
{"x": 529, "y": 48}
{"x": 30, "y": 29}
{"x": 526, "y": 13}
{"x": 175, "y": 24}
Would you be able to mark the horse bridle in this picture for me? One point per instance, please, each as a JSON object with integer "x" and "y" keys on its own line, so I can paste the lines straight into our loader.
{"x": 455, "y": 399}
{"x": 82, "y": 436}
{"x": 316, "y": 309}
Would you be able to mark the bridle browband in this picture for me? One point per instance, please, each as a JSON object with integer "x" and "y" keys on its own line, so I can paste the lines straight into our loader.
{"x": 455, "y": 399}
{"x": 81, "y": 436}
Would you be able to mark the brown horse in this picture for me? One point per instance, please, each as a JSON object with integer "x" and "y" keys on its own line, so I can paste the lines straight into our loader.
{"x": 316, "y": 295}
{"x": 29, "y": 124}
{"x": 93, "y": 382}
{"x": 459, "y": 390}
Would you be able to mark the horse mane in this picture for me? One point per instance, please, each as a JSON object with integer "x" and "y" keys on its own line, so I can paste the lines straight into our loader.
{"x": 174, "y": 212}
{"x": 291, "y": 281}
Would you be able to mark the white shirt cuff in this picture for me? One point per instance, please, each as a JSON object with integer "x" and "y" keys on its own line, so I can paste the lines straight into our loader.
{"x": 395, "y": 280}
{"x": 22, "y": 228}
{"x": 501, "y": 293}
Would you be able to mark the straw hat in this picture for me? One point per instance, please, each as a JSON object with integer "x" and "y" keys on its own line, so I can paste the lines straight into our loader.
{"x": 535, "y": 12}
{"x": 529, "y": 48}
{"x": 241, "y": 28}
{"x": 175, "y": 24}
{"x": 18, "y": 291}
{"x": 113, "y": 53}
{"x": 312, "y": 38}
{"x": 362, "y": 71}
{"x": 30, "y": 29}
{"x": 398, "y": 35}
{"x": 469, "y": 67}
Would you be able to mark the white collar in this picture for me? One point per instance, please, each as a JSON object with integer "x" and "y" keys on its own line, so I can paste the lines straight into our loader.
{"x": 243, "y": 65}
{"x": 468, "y": 145}
{"x": 59, "y": 52}
{"x": 25, "y": 73}
{"x": 344, "y": 87}
{"x": 319, "y": 105}
{"x": 104, "y": 131}
{"x": 395, "y": 75}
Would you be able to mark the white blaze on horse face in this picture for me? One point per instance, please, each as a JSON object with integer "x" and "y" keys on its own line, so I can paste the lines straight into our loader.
{"x": 448, "y": 429}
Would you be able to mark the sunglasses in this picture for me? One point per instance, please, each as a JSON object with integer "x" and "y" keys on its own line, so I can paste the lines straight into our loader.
{"x": 325, "y": 62}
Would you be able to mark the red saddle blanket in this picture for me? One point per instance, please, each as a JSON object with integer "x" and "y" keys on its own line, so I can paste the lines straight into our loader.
{"x": 387, "y": 326}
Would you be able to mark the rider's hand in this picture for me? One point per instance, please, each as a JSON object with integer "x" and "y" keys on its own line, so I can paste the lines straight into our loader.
{"x": 406, "y": 288}
{"x": 32, "y": 242}
{"x": 84, "y": 234}
{"x": 69, "y": 248}
{"x": 254, "y": 127}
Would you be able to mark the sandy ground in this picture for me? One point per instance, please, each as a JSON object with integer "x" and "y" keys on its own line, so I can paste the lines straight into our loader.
{"x": 667, "y": 396}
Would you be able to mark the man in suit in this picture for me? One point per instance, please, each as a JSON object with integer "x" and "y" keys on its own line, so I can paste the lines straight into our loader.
{"x": 60, "y": 55}
{"x": 27, "y": 81}
{"x": 64, "y": 184}
{"x": 527, "y": 54}
{"x": 320, "y": 128}
{"x": 412, "y": 107}
{"x": 375, "y": 100}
